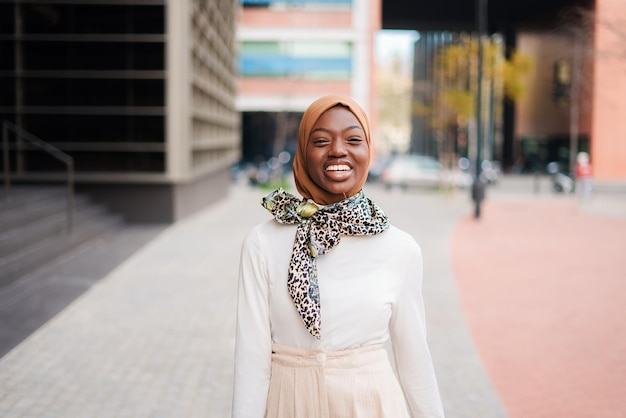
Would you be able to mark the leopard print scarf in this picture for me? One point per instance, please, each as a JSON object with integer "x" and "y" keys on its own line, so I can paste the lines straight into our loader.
{"x": 319, "y": 229}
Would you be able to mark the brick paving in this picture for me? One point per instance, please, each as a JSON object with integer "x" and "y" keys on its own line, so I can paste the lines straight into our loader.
{"x": 542, "y": 284}
{"x": 154, "y": 337}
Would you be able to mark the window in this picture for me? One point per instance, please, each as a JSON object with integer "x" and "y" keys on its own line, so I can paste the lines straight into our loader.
{"x": 268, "y": 3}
{"x": 310, "y": 60}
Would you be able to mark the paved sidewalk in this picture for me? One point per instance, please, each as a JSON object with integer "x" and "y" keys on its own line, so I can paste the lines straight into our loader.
{"x": 154, "y": 338}
{"x": 27, "y": 304}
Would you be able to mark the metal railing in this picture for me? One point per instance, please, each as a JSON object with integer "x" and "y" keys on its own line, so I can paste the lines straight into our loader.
{"x": 50, "y": 149}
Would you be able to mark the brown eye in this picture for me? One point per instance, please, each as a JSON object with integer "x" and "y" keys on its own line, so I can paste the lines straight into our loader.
{"x": 319, "y": 141}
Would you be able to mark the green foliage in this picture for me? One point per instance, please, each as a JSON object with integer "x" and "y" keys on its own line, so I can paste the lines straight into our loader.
{"x": 451, "y": 99}
{"x": 455, "y": 82}
{"x": 274, "y": 184}
{"x": 514, "y": 71}
{"x": 462, "y": 102}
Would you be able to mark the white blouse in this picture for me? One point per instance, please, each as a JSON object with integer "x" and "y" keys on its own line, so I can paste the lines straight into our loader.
{"x": 370, "y": 290}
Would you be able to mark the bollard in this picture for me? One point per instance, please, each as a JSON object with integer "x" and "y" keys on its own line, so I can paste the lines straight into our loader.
{"x": 478, "y": 195}
{"x": 537, "y": 182}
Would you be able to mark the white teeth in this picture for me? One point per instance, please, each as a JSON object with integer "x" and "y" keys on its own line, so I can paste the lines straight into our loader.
{"x": 337, "y": 168}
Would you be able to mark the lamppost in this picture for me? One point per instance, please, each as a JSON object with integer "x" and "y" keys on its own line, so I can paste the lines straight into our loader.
{"x": 478, "y": 186}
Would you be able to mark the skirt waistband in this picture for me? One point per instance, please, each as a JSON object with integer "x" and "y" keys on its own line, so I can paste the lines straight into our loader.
{"x": 350, "y": 358}
{"x": 320, "y": 384}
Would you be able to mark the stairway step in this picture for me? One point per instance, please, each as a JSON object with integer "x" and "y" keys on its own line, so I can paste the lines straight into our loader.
{"x": 49, "y": 224}
{"x": 21, "y": 196}
{"x": 46, "y": 250}
{"x": 33, "y": 209}
{"x": 33, "y": 227}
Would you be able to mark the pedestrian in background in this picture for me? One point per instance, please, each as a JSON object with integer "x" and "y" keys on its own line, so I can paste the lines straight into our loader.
{"x": 584, "y": 176}
{"x": 325, "y": 284}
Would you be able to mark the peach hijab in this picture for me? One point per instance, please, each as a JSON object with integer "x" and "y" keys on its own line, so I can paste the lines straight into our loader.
{"x": 305, "y": 185}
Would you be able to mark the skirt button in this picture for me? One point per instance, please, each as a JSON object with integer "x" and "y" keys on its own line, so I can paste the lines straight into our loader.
{"x": 320, "y": 358}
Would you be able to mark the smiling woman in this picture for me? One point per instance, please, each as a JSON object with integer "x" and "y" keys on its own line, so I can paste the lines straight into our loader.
{"x": 337, "y": 152}
{"x": 314, "y": 316}
{"x": 334, "y": 130}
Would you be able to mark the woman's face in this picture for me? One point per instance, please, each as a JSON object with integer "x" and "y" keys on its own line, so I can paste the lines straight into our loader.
{"x": 337, "y": 153}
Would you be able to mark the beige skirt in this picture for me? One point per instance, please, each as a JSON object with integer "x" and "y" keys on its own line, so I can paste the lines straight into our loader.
{"x": 357, "y": 383}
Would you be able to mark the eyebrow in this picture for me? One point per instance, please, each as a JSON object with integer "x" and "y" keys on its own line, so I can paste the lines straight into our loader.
{"x": 346, "y": 129}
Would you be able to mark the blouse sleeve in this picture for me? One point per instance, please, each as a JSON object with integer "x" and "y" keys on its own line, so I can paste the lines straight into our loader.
{"x": 408, "y": 335}
{"x": 253, "y": 345}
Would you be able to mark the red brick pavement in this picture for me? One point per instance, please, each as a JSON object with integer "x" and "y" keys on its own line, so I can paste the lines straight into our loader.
{"x": 543, "y": 287}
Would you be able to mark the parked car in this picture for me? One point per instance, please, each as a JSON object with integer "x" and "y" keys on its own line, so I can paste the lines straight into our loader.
{"x": 412, "y": 170}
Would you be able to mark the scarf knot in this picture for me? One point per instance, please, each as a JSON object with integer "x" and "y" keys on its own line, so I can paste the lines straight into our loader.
{"x": 319, "y": 229}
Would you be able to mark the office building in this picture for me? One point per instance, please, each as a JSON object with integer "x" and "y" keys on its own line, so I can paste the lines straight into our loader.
{"x": 140, "y": 93}
{"x": 294, "y": 51}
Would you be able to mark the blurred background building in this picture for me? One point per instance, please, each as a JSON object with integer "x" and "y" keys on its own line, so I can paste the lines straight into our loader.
{"x": 155, "y": 100}
{"x": 290, "y": 53}
{"x": 558, "y": 88}
{"x": 159, "y": 103}
{"x": 140, "y": 93}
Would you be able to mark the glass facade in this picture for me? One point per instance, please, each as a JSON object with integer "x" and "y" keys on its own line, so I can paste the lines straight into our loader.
{"x": 306, "y": 59}
{"x": 89, "y": 79}
{"x": 262, "y": 3}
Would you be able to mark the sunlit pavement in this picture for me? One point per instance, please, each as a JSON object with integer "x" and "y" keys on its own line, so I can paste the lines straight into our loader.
{"x": 154, "y": 337}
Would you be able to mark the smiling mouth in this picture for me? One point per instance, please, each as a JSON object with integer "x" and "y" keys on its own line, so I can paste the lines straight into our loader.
{"x": 338, "y": 167}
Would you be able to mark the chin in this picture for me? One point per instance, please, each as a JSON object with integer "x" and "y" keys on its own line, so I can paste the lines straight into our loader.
{"x": 339, "y": 191}
{"x": 336, "y": 187}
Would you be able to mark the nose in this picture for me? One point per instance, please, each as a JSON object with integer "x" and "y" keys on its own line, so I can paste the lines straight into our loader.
{"x": 337, "y": 148}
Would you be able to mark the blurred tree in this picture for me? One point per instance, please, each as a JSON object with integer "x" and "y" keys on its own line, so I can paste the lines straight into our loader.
{"x": 513, "y": 71}
{"x": 578, "y": 23}
{"x": 452, "y": 113}
{"x": 582, "y": 24}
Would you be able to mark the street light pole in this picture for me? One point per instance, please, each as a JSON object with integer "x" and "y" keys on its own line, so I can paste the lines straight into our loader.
{"x": 478, "y": 187}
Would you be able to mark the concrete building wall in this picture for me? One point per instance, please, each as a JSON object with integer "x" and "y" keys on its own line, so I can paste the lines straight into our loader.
{"x": 375, "y": 24}
{"x": 294, "y": 18}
